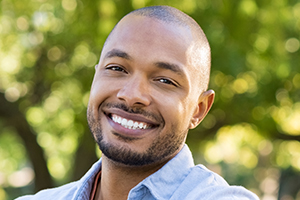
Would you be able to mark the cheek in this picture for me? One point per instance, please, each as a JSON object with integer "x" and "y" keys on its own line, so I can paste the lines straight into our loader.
{"x": 180, "y": 113}
{"x": 95, "y": 94}
{"x": 101, "y": 89}
{"x": 98, "y": 94}
{"x": 174, "y": 112}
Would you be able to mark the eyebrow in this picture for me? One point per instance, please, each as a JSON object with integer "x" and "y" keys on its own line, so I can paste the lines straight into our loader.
{"x": 169, "y": 66}
{"x": 117, "y": 53}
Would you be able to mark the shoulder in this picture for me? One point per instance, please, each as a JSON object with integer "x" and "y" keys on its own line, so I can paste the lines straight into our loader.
{"x": 200, "y": 175}
{"x": 201, "y": 183}
{"x": 63, "y": 192}
{"x": 75, "y": 190}
{"x": 221, "y": 193}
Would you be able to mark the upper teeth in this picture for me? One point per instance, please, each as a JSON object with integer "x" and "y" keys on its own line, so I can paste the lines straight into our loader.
{"x": 130, "y": 124}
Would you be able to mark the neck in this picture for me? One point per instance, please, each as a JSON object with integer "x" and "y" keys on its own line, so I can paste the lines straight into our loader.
{"x": 118, "y": 179}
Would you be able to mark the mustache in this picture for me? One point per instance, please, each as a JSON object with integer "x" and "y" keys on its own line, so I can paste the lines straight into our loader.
{"x": 134, "y": 110}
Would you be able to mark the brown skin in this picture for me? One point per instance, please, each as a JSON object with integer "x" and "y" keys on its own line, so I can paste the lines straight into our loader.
{"x": 139, "y": 81}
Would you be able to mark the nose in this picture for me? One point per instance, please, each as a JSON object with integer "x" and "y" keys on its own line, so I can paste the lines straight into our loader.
{"x": 135, "y": 92}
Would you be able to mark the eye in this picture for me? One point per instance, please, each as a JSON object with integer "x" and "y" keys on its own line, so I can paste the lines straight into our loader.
{"x": 167, "y": 81}
{"x": 115, "y": 68}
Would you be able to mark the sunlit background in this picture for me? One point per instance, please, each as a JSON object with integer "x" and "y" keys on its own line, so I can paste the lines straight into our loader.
{"x": 48, "y": 50}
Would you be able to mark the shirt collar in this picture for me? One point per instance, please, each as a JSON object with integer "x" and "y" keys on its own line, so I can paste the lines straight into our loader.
{"x": 87, "y": 181}
{"x": 163, "y": 183}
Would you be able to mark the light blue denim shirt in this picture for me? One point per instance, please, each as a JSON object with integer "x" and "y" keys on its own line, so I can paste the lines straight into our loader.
{"x": 179, "y": 179}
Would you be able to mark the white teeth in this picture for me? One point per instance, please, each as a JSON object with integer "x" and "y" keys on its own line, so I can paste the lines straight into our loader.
{"x": 135, "y": 125}
{"x": 141, "y": 125}
{"x": 130, "y": 124}
{"x": 119, "y": 120}
{"x": 124, "y": 122}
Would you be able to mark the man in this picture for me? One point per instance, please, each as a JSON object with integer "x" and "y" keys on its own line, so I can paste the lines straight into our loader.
{"x": 149, "y": 89}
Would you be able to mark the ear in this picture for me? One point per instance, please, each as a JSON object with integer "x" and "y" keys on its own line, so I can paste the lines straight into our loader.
{"x": 205, "y": 102}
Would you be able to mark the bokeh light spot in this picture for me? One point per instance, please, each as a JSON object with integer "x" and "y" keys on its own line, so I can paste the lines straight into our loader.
{"x": 296, "y": 80}
{"x": 138, "y": 3}
{"x": 69, "y": 5}
{"x": 56, "y": 167}
{"x": 22, "y": 23}
{"x": 12, "y": 94}
{"x": 292, "y": 45}
{"x": 21, "y": 178}
{"x": 35, "y": 116}
{"x": 240, "y": 86}
{"x": 10, "y": 64}
{"x": 249, "y": 7}
{"x": 54, "y": 54}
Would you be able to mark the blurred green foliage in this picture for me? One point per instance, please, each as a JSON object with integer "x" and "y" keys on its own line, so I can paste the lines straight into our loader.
{"x": 48, "y": 50}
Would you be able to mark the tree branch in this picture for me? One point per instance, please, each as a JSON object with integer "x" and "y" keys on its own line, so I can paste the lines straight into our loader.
{"x": 12, "y": 116}
{"x": 283, "y": 136}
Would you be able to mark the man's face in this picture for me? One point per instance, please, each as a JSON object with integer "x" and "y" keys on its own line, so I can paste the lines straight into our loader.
{"x": 143, "y": 93}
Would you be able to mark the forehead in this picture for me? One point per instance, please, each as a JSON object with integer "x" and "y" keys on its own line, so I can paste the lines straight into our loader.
{"x": 149, "y": 37}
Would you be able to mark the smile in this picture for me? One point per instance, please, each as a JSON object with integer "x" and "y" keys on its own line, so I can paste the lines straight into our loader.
{"x": 130, "y": 124}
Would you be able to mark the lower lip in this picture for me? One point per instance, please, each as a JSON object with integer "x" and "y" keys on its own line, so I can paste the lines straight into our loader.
{"x": 125, "y": 131}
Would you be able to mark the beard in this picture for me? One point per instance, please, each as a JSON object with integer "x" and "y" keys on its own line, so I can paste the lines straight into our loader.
{"x": 162, "y": 148}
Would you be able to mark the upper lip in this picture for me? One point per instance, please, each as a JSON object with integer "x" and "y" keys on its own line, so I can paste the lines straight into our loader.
{"x": 130, "y": 116}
